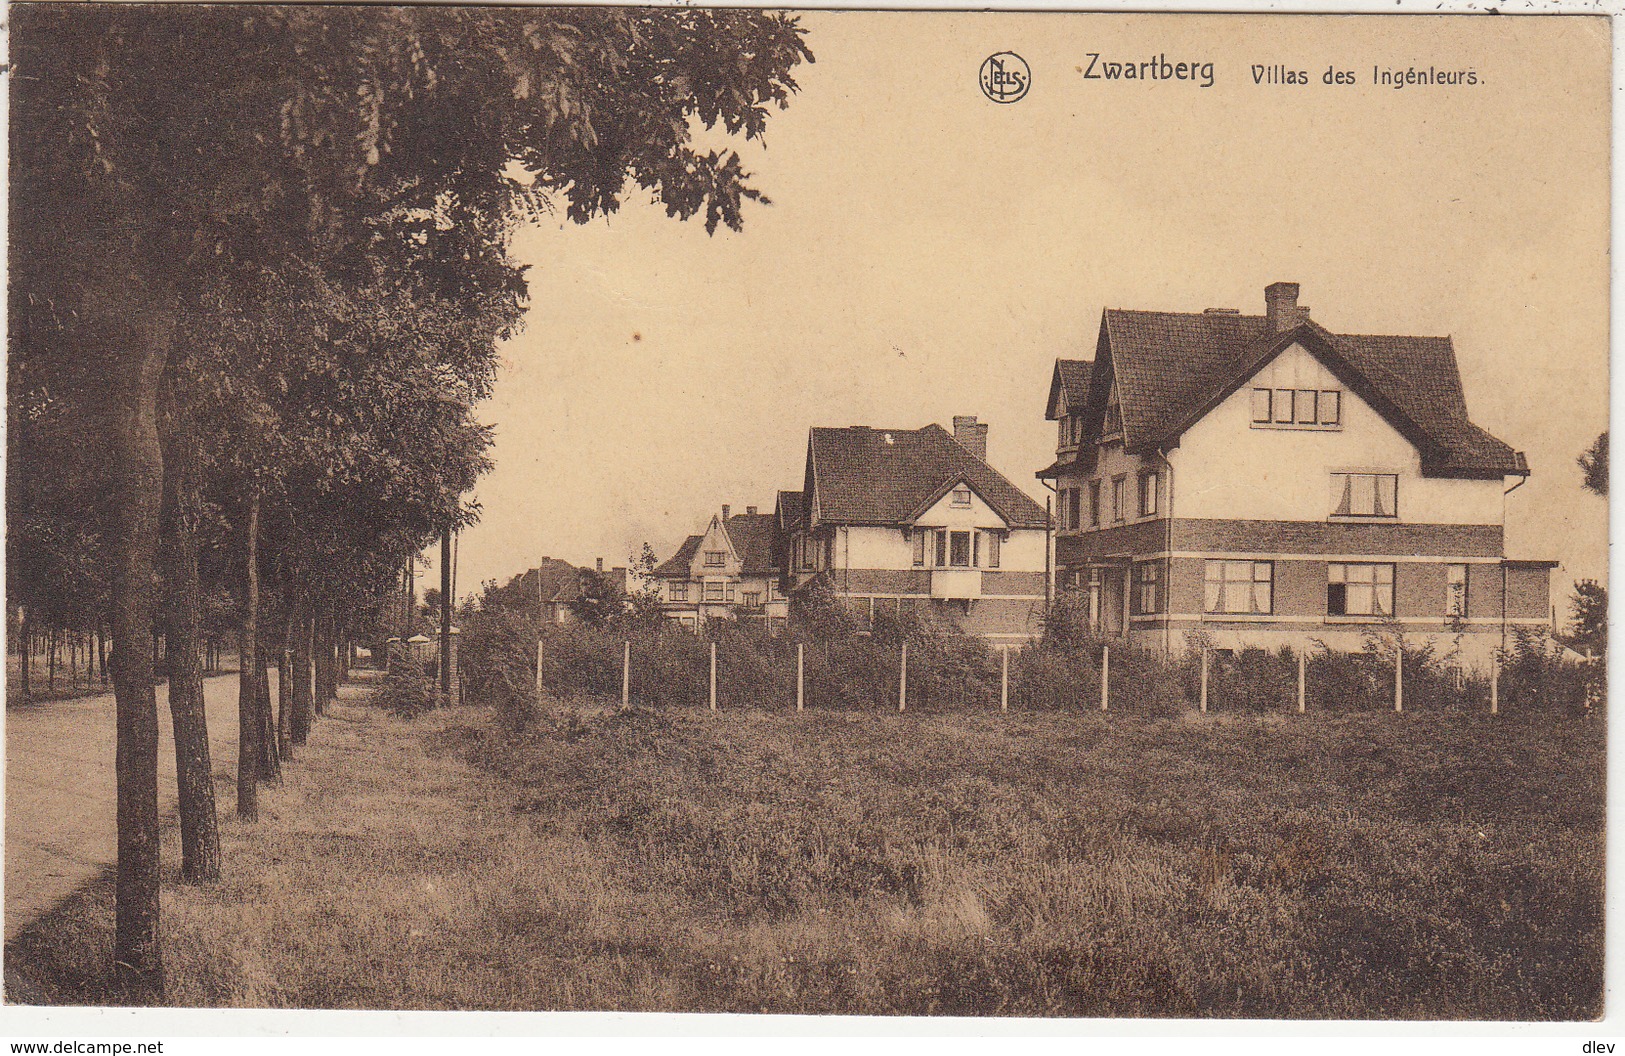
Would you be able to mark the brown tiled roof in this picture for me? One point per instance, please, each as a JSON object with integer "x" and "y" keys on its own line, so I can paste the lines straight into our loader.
{"x": 791, "y": 510}
{"x": 561, "y": 581}
{"x": 680, "y": 563}
{"x": 752, "y": 535}
{"x": 1171, "y": 367}
{"x": 1071, "y": 378}
{"x": 870, "y": 476}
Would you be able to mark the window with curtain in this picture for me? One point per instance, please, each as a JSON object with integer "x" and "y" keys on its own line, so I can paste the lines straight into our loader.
{"x": 1239, "y": 587}
{"x": 1365, "y": 495}
{"x": 1359, "y": 589}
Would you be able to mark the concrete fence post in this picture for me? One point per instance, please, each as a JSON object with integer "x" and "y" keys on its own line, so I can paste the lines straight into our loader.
{"x": 1302, "y": 681}
{"x": 801, "y": 668}
{"x": 626, "y": 675}
{"x": 1204, "y": 680}
{"x": 1495, "y": 686}
{"x": 541, "y": 678}
{"x": 902, "y": 682}
{"x": 1399, "y": 676}
{"x": 713, "y": 676}
{"x": 1105, "y": 667}
{"x": 1004, "y": 682}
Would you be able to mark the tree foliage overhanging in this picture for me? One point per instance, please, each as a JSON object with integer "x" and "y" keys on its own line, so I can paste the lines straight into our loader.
{"x": 259, "y": 273}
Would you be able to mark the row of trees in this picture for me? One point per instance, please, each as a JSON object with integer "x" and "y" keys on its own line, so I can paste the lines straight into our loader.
{"x": 258, "y": 277}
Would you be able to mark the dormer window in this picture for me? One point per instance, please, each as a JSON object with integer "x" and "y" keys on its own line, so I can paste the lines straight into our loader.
{"x": 961, "y": 499}
{"x": 1071, "y": 428}
{"x": 1297, "y": 408}
{"x": 1113, "y": 426}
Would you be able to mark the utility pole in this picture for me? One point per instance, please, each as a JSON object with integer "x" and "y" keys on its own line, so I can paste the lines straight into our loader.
{"x": 445, "y": 615}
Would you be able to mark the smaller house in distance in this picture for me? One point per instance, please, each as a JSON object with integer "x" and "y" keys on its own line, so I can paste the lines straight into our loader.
{"x": 917, "y": 521}
{"x": 729, "y": 571}
{"x": 564, "y": 591}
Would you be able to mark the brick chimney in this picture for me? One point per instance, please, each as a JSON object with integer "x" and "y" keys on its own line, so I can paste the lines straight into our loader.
{"x": 725, "y": 511}
{"x": 750, "y": 511}
{"x": 1281, "y": 309}
{"x": 972, "y": 436}
{"x": 600, "y": 564}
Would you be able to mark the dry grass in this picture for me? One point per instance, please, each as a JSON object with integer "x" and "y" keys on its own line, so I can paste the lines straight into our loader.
{"x": 1028, "y": 864}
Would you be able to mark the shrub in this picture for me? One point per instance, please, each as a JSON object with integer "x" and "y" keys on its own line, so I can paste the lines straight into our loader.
{"x": 1535, "y": 677}
{"x": 408, "y": 691}
{"x": 497, "y": 654}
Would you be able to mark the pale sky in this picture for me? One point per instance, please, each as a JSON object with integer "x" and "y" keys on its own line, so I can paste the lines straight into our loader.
{"x": 930, "y": 253}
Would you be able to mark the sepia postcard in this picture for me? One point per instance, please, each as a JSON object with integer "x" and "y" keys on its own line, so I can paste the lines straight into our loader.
{"x": 1037, "y": 516}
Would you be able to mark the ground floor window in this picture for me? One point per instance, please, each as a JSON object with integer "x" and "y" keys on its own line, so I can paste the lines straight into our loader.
{"x": 1147, "y": 587}
{"x": 1239, "y": 587}
{"x": 1455, "y": 596}
{"x": 1359, "y": 590}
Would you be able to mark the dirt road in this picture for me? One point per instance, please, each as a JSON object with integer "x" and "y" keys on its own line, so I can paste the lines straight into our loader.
{"x": 60, "y": 791}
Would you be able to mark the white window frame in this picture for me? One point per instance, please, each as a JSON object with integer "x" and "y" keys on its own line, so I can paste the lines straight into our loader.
{"x": 1150, "y": 484}
{"x": 716, "y": 558}
{"x": 1377, "y": 590}
{"x": 1238, "y": 588}
{"x": 1456, "y": 590}
{"x": 1119, "y": 498}
{"x": 1141, "y": 583}
{"x": 677, "y": 590}
{"x": 1380, "y": 487}
{"x": 1284, "y": 408}
{"x": 961, "y": 498}
{"x": 716, "y": 588}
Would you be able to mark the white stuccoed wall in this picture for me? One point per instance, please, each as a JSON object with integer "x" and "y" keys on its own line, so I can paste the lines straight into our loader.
{"x": 1226, "y": 469}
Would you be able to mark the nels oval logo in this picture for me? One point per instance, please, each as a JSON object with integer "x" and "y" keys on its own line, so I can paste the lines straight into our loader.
{"x": 1005, "y": 77}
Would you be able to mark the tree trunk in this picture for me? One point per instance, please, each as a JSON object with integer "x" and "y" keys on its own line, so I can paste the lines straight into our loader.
{"x": 28, "y": 657}
{"x": 194, "y": 776}
{"x": 324, "y": 663}
{"x": 301, "y": 673}
{"x": 445, "y": 616}
{"x": 50, "y": 663}
{"x": 284, "y": 689}
{"x": 248, "y": 800}
{"x": 139, "y": 468}
{"x": 270, "y": 761}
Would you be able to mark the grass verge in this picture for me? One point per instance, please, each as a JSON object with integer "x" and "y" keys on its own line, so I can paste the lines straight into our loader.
{"x": 1027, "y": 864}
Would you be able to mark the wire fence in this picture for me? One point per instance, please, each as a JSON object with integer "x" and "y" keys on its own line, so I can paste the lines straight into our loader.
{"x": 732, "y": 667}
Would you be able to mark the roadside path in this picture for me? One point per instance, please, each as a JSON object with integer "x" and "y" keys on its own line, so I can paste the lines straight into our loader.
{"x": 61, "y": 829}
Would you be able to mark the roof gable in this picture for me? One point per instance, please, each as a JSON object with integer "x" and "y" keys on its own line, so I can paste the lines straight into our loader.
{"x": 791, "y": 510}
{"x": 752, "y": 536}
{"x": 871, "y": 476}
{"x": 1172, "y": 368}
{"x": 682, "y": 562}
{"x": 941, "y": 494}
{"x": 1068, "y": 388}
